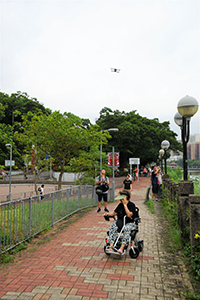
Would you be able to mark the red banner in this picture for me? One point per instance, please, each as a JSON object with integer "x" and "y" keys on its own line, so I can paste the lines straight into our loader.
{"x": 116, "y": 159}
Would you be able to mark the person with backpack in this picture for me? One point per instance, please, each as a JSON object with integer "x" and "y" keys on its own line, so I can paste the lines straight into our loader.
{"x": 103, "y": 182}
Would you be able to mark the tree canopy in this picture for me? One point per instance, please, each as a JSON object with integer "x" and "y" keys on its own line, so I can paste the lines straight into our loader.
{"x": 62, "y": 136}
{"x": 138, "y": 136}
{"x": 18, "y": 104}
{"x": 12, "y": 110}
{"x": 72, "y": 142}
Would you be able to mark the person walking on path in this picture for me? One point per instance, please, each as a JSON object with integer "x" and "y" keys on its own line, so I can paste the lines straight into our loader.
{"x": 136, "y": 173}
{"x": 102, "y": 180}
{"x": 149, "y": 171}
{"x": 128, "y": 184}
{"x": 159, "y": 175}
{"x": 154, "y": 182}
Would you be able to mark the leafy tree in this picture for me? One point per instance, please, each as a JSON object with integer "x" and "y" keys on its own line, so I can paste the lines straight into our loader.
{"x": 137, "y": 136}
{"x": 87, "y": 165}
{"x": 18, "y": 104}
{"x": 2, "y": 111}
{"x": 6, "y": 137}
{"x": 12, "y": 110}
{"x": 61, "y": 136}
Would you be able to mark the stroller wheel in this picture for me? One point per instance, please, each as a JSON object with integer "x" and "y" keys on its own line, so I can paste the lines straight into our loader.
{"x": 132, "y": 254}
{"x": 105, "y": 251}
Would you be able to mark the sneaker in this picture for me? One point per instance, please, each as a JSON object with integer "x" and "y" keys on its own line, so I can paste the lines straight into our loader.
{"x": 120, "y": 251}
{"x": 99, "y": 209}
{"x": 105, "y": 209}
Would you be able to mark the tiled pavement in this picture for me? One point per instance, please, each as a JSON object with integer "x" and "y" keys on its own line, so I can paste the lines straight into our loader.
{"x": 73, "y": 265}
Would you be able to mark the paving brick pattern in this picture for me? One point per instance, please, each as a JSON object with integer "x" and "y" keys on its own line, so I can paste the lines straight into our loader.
{"x": 73, "y": 265}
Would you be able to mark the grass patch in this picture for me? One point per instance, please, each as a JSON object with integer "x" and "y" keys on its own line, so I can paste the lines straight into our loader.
{"x": 16, "y": 226}
{"x": 8, "y": 257}
{"x": 40, "y": 239}
{"x": 150, "y": 205}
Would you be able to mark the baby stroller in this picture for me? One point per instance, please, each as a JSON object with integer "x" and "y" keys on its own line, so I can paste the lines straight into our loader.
{"x": 136, "y": 246}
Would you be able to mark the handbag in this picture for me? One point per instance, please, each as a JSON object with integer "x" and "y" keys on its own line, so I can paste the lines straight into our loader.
{"x": 104, "y": 187}
{"x": 98, "y": 189}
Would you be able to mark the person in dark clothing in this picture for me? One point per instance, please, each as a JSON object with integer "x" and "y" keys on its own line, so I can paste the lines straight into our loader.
{"x": 154, "y": 182}
{"x": 127, "y": 184}
{"x": 125, "y": 207}
{"x": 102, "y": 180}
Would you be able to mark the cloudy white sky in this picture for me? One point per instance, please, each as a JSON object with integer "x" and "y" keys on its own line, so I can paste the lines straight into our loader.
{"x": 61, "y": 52}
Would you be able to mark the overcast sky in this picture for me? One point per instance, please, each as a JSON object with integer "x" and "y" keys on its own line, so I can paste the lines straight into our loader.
{"x": 62, "y": 52}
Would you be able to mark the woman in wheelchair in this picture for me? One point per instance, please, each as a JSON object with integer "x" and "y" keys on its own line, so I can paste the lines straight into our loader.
{"x": 124, "y": 208}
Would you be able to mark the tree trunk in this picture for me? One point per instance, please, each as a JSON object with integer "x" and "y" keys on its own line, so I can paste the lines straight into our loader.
{"x": 36, "y": 175}
{"x": 60, "y": 180}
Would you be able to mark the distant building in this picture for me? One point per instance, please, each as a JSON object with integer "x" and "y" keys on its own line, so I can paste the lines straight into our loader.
{"x": 193, "y": 150}
{"x": 175, "y": 155}
{"x": 197, "y": 150}
{"x": 194, "y": 138}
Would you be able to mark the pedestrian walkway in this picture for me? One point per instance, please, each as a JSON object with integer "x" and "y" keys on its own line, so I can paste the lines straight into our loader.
{"x": 72, "y": 265}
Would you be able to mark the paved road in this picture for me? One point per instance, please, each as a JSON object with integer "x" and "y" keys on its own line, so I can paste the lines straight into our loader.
{"x": 73, "y": 266}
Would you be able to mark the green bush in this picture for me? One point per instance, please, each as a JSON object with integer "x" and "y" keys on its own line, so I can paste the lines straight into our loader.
{"x": 170, "y": 210}
{"x": 175, "y": 174}
{"x": 171, "y": 213}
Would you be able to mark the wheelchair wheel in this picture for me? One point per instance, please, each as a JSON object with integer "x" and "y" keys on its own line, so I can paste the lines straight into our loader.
{"x": 105, "y": 251}
{"x": 132, "y": 254}
{"x": 140, "y": 245}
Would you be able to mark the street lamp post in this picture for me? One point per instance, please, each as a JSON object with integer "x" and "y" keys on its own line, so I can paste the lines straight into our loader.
{"x": 113, "y": 167}
{"x": 113, "y": 159}
{"x": 113, "y": 163}
{"x": 165, "y": 145}
{"x": 161, "y": 152}
{"x": 101, "y": 155}
{"x": 187, "y": 107}
{"x": 10, "y": 145}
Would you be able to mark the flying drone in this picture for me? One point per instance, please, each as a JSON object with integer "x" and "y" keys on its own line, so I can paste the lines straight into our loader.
{"x": 115, "y": 70}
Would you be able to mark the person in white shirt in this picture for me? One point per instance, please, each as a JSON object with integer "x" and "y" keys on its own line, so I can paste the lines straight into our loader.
{"x": 42, "y": 191}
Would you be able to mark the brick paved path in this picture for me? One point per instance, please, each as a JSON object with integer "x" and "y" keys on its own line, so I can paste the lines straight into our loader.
{"x": 73, "y": 265}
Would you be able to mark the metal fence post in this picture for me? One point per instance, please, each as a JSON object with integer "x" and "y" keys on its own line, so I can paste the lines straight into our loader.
{"x": 87, "y": 194}
{"x": 29, "y": 219}
{"x": 67, "y": 202}
{"x": 94, "y": 195}
{"x": 79, "y": 196}
{"x": 52, "y": 210}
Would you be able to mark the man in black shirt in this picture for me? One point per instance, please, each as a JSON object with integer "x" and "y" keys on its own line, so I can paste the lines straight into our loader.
{"x": 127, "y": 184}
{"x": 125, "y": 207}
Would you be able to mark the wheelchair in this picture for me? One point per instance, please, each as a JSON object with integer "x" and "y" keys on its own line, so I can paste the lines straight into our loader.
{"x": 136, "y": 246}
